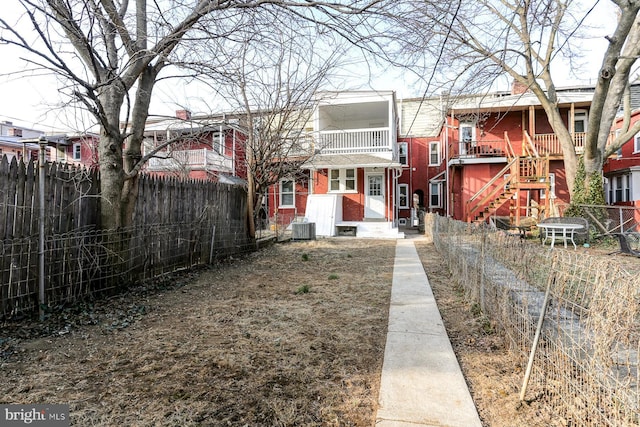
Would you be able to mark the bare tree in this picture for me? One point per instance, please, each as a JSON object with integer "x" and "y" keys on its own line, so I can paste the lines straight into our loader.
{"x": 271, "y": 79}
{"x": 471, "y": 44}
{"x": 111, "y": 54}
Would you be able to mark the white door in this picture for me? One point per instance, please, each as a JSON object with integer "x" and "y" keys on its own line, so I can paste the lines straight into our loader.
{"x": 374, "y": 196}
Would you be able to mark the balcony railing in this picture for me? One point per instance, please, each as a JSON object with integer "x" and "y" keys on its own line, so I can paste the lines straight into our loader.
{"x": 538, "y": 145}
{"x": 205, "y": 159}
{"x": 375, "y": 140}
{"x": 548, "y": 143}
{"x": 474, "y": 149}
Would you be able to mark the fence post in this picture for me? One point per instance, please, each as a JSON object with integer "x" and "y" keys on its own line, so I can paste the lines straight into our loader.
{"x": 536, "y": 338}
{"x": 483, "y": 245}
{"x": 213, "y": 239}
{"x": 41, "y": 294}
{"x": 621, "y": 220}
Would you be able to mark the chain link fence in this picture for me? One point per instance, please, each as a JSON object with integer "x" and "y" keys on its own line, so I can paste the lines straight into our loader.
{"x": 585, "y": 364}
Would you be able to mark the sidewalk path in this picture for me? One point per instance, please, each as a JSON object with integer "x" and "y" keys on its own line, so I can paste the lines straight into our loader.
{"x": 421, "y": 383}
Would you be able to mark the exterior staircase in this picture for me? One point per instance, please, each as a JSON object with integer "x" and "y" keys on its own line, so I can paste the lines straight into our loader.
{"x": 526, "y": 172}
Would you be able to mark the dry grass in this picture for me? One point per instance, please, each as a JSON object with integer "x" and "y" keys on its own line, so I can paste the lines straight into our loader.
{"x": 240, "y": 345}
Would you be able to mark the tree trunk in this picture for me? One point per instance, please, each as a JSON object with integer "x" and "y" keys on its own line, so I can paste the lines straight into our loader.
{"x": 112, "y": 174}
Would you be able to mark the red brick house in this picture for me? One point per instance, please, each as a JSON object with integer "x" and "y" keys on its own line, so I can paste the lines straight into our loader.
{"x": 622, "y": 170}
{"x": 503, "y": 158}
{"x": 204, "y": 148}
{"x": 349, "y": 183}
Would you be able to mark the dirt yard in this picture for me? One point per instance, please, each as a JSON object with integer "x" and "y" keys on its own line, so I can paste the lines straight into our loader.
{"x": 292, "y": 335}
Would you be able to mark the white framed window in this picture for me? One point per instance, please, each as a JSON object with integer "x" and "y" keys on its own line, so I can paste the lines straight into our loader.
{"x": 636, "y": 143}
{"x": 403, "y": 196}
{"x": 552, "y": 187}
{"x": 287, "y": 193}
{"x": 403, "y": 150}
{"x": 342, "y": 180}
{"x": 77, "y": 151}
{"x": 619, "y": 188}
{"x": 434, "y": 153}
{"x": 580, "y": 119}
{"x": 435, "y": 194}
{"x": 627, "y": 188}
{"x": 467, "y": 132}
{"x": 218, "y": 142}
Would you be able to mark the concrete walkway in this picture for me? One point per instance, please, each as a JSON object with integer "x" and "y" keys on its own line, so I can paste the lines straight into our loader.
{"x": 421, "y": 384}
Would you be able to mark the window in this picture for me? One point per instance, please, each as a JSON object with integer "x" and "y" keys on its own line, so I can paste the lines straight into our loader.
{"x": 435, "y": 196}
{"x": 627, "y": 188}
{"x": 402, "y": 153}
{"x": 218, "y": 142}
{"x": 77, "y": 154}
{"x": 552, "y": 187}
{"x": 342, "y": 180}
{"x": 619, "y": 189}
{"x": 467, "y": 132}
{"x": 580, "y": 121}
{"x": 636, "y": 143}
{"x": 403, "y": 196}
{"x": 287, "y": 193}
{"x": 434, "y": 153}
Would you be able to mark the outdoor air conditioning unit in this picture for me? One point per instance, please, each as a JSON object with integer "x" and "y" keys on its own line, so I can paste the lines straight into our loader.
{"x": 303, "y": 231}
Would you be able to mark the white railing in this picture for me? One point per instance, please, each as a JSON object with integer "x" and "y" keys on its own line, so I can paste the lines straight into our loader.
{"x": 374, "y": 140}
{"x": 203, "y": 158}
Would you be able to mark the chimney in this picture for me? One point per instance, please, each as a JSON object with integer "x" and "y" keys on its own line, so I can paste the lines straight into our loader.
{"x": 183, "y": 114}
{"x": 517, "y": 88}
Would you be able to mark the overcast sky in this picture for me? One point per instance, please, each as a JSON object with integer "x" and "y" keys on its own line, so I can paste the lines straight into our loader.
{"x": 31, "y": 100}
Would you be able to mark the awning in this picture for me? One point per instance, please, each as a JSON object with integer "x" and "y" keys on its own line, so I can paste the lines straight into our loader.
{"x": 349, "y": 160}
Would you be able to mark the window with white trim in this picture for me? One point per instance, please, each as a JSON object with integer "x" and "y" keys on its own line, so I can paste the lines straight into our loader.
{"x": 77, "y": 151}
{"x": 467, "y": 132}
{"x": 403, "y": 150}
{"x": 435, "y": 194}
{"x": 580, "y": 119}
{"x": 619, "y": 188}
{"x": 434, "y": 153}
{"x": 636, "y": 143}
{"x": 342, "y": 180}
{"x": 287, "y": 193}
{"x": 403, "y": 196}
{"x": 552, "y": 187}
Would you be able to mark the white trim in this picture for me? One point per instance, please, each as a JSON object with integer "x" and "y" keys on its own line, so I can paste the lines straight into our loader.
{"x": 342, "y": 180}
{"x": 437, "y": 152}
{"x": 404, "y": 145}
{"x": 636, "y": 143}
{"x": 438, "y": 185}
{"x": 292, "y": 193}
{"x": 407, "y": 205}
{"x": 78, "y": 146}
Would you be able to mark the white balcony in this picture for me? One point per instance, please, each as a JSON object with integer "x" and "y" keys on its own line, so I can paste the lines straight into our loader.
{"x": 356, "y": 141}
{"x": 201, "y": 159}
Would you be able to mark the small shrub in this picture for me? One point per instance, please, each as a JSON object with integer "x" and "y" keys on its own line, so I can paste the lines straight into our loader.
{"x": 305, "y": 257}
{"x": 303, "y": 289}
{"x": 333, "y": 276}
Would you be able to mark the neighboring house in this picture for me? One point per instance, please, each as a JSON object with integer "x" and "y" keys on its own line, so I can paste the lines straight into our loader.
{"x": 351, "y": 184}
{"x": 17, "y": 141}
{"x": 74, "y": 148}
{"x": 622, "y": 170}
{"x": 503, "y": 158}
{"x": 421, "y": 184}
{"x": 204, "y": 148}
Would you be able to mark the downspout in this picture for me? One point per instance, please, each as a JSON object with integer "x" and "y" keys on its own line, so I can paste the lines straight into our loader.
{"x": 446, "y": 149}
{"x": 233, "y": 153}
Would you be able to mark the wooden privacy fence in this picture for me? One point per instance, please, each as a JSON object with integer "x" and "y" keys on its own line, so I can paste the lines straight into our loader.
{"x": 177, "y": 224}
